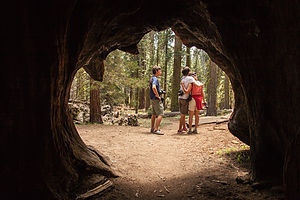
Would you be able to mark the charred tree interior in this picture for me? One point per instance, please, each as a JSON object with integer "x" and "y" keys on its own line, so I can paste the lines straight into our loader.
{"x": 43, "y": 44}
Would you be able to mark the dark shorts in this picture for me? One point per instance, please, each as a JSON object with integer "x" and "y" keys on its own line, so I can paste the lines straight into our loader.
{"x": 183, "y": 106}
{"x": 157, "y": 107}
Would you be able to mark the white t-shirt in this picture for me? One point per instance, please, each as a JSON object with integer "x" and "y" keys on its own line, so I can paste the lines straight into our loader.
{"x": 186, "y": 80}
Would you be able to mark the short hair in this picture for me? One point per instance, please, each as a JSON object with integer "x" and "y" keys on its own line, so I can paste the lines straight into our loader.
{"x": 185, "y": 71}
{"x": 155, "y": 69}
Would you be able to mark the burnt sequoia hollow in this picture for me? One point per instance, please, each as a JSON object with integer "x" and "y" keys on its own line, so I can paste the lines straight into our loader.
{"x": 43, "y": 44}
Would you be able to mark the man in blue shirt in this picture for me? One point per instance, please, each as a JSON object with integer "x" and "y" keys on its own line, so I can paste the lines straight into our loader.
{"x": 157, "y": 105}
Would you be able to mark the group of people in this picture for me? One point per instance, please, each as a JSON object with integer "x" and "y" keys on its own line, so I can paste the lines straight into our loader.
{"x": 190, "y": 101}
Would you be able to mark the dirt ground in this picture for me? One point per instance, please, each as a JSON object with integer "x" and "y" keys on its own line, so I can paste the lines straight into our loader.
{"x": 175, "y": 166}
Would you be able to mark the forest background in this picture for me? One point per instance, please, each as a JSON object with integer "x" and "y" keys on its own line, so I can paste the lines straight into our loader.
{"x": 126, "y": 77}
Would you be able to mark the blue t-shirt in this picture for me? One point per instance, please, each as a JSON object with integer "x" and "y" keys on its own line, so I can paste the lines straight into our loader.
{"x": 154, "y": 80}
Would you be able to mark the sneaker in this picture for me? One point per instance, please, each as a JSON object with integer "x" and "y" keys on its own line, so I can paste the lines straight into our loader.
{"x": 152, "y": 131}
{"x": 180, "y": 131}
{"x": 190, "y": 132}
{"x": 195, "y": 131}
{"x": 158, "y": 132}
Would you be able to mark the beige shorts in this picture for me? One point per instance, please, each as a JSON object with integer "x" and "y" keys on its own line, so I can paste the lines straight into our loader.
{"x": 183, "y": 106}
{"x": 157, "y": 107}
{"x": 192, "y": 105}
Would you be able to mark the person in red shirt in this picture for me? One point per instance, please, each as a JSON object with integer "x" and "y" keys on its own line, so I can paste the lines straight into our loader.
{"x": 195, "y": 105}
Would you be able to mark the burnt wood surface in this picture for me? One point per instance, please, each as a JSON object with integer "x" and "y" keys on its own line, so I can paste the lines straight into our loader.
{"x": 44, "y": 43}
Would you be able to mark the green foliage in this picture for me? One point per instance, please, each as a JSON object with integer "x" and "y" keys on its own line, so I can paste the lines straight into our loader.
{"x": 241, "y": 154}
{"x": 124, "y": 72}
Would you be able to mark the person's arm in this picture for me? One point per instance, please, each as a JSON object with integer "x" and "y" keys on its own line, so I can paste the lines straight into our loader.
{"x": 155, "y": 91}
{"x": 189, "y": 88}
{"x": 192, "y": 80}
{"x": 197, "y": 83}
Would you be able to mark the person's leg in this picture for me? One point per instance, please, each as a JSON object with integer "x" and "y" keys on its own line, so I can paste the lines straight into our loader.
{"x": 181, "y": 121}
{"x": 185, "y": 112}
{"x": 192, "y": 105}
{"x": 153, "y": 122}
{"x": 182, "y": 116}
{"x": 191, "y": 113}
{"x": 158, "y": 120}
{"x": 159, "y": 113}
{"x": 184, "y": 124}
{"x": 196, "y": 120}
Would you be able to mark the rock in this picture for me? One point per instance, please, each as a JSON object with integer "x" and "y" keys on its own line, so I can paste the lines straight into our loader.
{"x": 133, "y": 120}
{"x": 106, "y": 109}
{"x": 80, "y": 111}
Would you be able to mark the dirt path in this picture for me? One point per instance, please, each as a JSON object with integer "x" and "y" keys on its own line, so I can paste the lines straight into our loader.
{"x": 173, "y": 166}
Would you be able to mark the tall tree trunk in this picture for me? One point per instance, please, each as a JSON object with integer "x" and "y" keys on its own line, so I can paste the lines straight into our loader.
{"x": 142, "y": 63}
{"x": 131, "y": 100}
{"x": 226, "y": 91}
{"x": 142, "y": 98}
{"x": 158, "y": 49}
{"x": 151, "y": 35}
{"x": 188, "y": 57}
{"x": 176, "y": 74}
{"x": 196, "y": 55}
{"x": 137, "y": 94}
{"x": 126, "y": 96}
{"x": 166, "y": 64}
{"x": 212, "y": 90}
{"x": 95, "y": 106}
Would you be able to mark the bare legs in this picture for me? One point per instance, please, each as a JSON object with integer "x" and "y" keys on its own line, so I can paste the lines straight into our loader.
{"x": 182, "y": 122}
{"x": 153, "y": 121}
{"x": 154, "y": 126}
{"x": 191, "y": 113}
{"x": 196, "y": 119}
{"x": 158, "y": 120}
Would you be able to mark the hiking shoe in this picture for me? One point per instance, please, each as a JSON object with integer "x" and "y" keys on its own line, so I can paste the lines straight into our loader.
{"x": 180, "y": 131}
{"x": 195, "y": 131}
{"x": 158, "y": 132}
{"x": 190, "y": 132}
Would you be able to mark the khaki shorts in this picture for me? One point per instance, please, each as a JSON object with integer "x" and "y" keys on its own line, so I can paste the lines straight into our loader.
{"x": 183, "y": 106}
{"x": 157, "y": 107}
{"x": 192, "y": 105}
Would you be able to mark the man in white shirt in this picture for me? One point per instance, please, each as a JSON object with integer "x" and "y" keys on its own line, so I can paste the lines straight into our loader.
{"x": 182, "y": 99}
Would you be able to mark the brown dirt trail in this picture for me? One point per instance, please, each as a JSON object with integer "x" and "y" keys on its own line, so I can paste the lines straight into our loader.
{"x": 174, "y": 166}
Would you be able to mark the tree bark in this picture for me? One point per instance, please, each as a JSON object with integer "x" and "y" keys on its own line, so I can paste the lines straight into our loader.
{"x": 142, "y": 90}
{"x": 95, "y": 105}
{"x": 151, "y": 35}
{"x": 158, "y": 48}
{"x": 196, "y": 56}
{"x": 212, "y": 90}
{"x": 176, "y": 74}
{"x": 166, "y": 65}
{"x": 188, "y": 57}
{"x": 45, "y": 43}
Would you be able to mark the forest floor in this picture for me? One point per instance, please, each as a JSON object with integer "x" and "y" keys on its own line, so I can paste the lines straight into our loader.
{"x": 175, "y": 166}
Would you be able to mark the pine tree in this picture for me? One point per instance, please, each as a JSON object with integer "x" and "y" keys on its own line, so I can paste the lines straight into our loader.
{"x": 95, "y": 106}
{"x": 212, "y": 90}
{"x": 176, "y": 74}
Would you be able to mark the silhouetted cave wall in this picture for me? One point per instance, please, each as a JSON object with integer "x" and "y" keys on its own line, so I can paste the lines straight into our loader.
{"x": 43, "y": 44}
